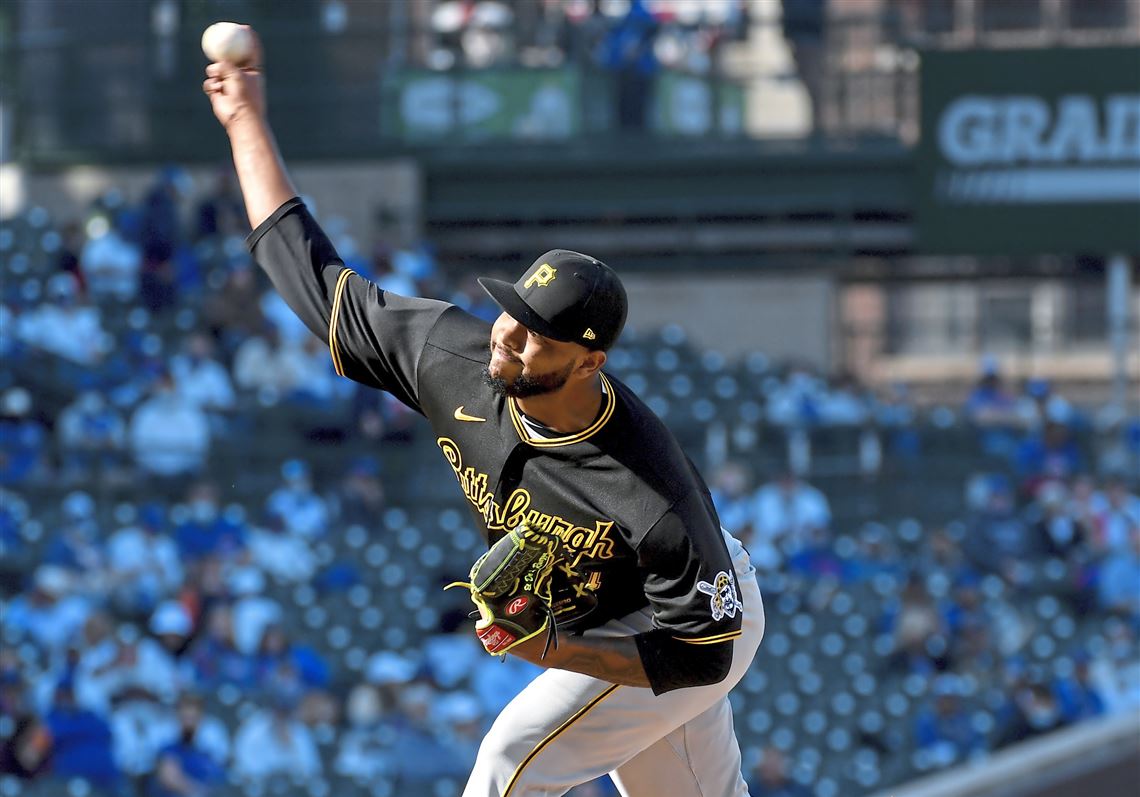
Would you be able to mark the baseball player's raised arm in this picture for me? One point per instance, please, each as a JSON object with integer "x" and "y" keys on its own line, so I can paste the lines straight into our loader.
{"x": 374, "y": 337}
{"x": 237, "y": 96}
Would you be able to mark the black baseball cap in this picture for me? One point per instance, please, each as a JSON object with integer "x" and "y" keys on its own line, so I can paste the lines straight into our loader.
{"x": 566, "y": 296}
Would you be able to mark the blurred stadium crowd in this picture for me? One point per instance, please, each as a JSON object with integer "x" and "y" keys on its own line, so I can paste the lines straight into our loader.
{"x": 221, "y": 565}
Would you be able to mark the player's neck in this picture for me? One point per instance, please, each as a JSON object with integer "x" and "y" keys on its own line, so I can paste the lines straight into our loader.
{"x": 570, "y": 409}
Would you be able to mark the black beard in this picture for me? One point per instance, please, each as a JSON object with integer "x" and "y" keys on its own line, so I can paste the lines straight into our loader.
{"x": 527, "y": 386}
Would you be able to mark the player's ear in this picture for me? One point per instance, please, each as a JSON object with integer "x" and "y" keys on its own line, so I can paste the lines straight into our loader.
{"x": 591, "y": 363}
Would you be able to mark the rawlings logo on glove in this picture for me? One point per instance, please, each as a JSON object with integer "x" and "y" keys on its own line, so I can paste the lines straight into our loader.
{"x": 511, "y": 588}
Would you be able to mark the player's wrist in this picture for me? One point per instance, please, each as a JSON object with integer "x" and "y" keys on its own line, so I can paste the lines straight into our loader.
{"x": 247, "y": 121}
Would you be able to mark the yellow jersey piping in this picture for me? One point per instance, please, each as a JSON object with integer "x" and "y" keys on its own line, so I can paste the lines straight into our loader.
{"x": 553, "y": 735}
{"x": 334, "y": 318}
{"x": 710, "y": 640}
{"x": 551, "y": 442}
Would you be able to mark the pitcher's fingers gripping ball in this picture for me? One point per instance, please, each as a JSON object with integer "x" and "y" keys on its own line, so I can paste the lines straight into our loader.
{"x": 229, "y": 41}
{"x": 513, "y": 587}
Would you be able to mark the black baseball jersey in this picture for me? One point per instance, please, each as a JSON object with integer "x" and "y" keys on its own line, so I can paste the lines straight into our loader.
{"x": 629, "y": 509}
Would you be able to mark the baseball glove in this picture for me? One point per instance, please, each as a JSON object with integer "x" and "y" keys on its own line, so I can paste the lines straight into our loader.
{"x": 511, "y": 586}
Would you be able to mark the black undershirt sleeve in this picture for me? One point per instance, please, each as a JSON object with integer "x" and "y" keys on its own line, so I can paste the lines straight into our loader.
{"x": 671, "y": 663}
{"x": 374, "y": 337}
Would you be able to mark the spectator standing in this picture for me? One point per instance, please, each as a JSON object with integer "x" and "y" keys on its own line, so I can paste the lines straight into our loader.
{"x": 844, "y": 403}
{"x": 214, "y": 655}
{"x": 363, "y": 751}
{"x": 1038, "y": 404}
{"x": 459, "y": 721}
{"x": 205, "y": 530}
{"x": 193, "y": 763}
{"x": 284, "y": 556}
{"x": 169, "y": 435}
{"x": 450, "y": 656}
{"x": 944, "y": 732}
{"x": 804, "y": 25}
{"x": 1047, "y": 455}
{"x": 770, "y": 778}
{"x": 1116, "y": 514}
{"x": 914, "y": 626}
{"x": 1116, "y": 668}
{"x": 233, "y": 314}
{"x": 1119, "y": 582}
{"x": 51, "y": 614}
{"x": 361, "y": 492}
{"x": 166, "y": 262}
{"x": 67, "y": 257}
{"x": 123, "y": 668}
{"x": 161, "y": 225}
{"x": 143, "y": 562}
{"x": 77, "y": 545}
{"x": 1033, "y": 711}
{"x": 92, "y": 437}
{"x": 733, "y": 501}
{"x": 998, "y": 540}
{"x": 15, "y": 553}
{"x": 253, "y": 612}
{"x": 305, "y": 513}
{"x": 200, "y": 379}
{"x": 65, "y": 325}
{"x": 272, "y": 742}
{"x": 307, "y": 375}
{"x": 628, "y": 53}
{"x": 110, "y": 263}
{"x": 418, "y": 754}
{"x": 795, "y": 403}
{"x": 221, "y": 212}
{"x": 993, "y": 410}
{"x": 288, "y": 667}
{"x": 258, "y": 365}
{"x": 1077, "y": 694}
{"x": 788, "y": 513}
{"x": 81, "y": 744}
{"x": 23, "y": 445}
{"x": 290, "y": 329}
{"x": 497, "y": 682}
{"x": 1057, "y": 531}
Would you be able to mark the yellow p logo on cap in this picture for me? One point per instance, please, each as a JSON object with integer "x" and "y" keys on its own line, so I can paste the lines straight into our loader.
{"x": 542, "y": 276}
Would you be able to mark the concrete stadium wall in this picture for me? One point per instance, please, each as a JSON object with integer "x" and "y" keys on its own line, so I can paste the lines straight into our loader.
{"x": 786, "y": 317}
{"x": 1093, "y": 759}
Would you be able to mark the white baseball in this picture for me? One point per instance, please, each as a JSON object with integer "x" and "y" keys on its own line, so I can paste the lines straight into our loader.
{"x": 228, "y": 41}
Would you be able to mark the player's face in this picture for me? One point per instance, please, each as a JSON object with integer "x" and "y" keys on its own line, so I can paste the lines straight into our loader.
{"x": 525, "y": 364}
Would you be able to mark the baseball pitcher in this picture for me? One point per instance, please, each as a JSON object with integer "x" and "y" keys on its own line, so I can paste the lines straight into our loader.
{"x": 606, "y": 563}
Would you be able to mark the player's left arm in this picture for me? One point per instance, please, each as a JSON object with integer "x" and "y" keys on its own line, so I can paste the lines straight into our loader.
{"x": 691, "y": 585}
{"x": 691, "y": 643}
{"x": 612, "y": 659}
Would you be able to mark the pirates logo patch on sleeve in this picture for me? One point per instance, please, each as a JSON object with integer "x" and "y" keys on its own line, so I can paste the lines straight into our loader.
{"x": 723, "y": 591}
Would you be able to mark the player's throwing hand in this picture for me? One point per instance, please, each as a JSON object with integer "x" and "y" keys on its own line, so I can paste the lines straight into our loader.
{"x": 236, "y": 91}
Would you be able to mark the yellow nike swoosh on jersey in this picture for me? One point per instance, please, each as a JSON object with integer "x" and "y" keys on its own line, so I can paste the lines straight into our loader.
{"x": 460, "y": 415}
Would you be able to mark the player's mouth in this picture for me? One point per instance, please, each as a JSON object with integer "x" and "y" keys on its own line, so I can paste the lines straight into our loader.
{"x": 502, "y": 353}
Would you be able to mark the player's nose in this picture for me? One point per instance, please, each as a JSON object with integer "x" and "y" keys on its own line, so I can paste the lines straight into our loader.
{"x": 513, "y": 333}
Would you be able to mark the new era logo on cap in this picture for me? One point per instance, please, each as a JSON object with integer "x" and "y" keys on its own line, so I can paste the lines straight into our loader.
{"x": 562, "y": 294}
